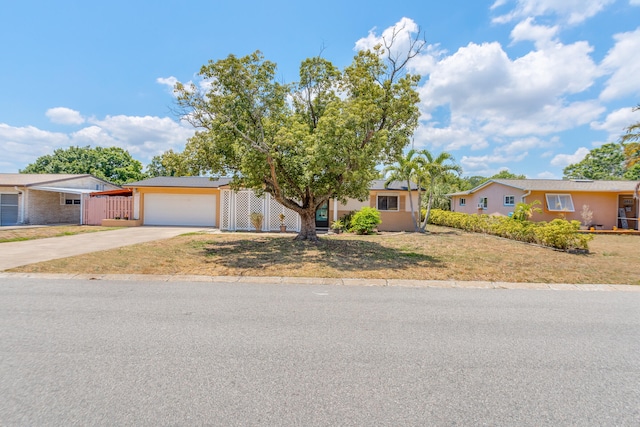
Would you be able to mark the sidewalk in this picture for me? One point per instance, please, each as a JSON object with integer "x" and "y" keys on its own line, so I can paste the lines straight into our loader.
{"x": 15, "y": 254}
{"x": 271, "y": 280}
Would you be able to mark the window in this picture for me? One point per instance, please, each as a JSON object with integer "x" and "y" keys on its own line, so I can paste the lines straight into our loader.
{"x": 69, "y": 199}
{"x": 463, "y": 202}
{"x": 560, "y": 202}
{"x": 483, "y": 203}
{"x": 387, "y": 203}
{"x": 509, "y": 200}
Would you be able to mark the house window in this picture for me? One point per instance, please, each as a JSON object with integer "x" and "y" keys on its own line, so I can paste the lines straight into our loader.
{"x": 387, "y": 203}
{"x": 509, "y": 200}
{"x": 463, "y": 202}
{"x": 483, "y": 203}
{"x": 69, "y": 199}
{"x": 559, "y": 202}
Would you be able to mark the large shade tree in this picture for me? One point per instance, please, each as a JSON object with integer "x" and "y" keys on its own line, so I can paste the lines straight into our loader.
{"x": 607, "y": 162}
{"x": 303, "y": 142}
{"x": 112, "y": 164}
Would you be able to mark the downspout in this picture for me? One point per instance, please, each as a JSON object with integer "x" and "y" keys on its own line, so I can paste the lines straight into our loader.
{"x": 524, "y": 196}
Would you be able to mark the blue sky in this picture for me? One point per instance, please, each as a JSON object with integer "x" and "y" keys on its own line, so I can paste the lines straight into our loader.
{"x": 524, "y": 85}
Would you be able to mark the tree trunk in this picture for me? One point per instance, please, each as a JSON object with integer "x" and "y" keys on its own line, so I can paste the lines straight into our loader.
{"x": 416, "y": 221}
{"x": 308, "y": 228}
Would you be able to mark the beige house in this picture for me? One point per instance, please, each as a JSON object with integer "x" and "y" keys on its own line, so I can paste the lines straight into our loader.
{"x": 201, "y": 201}
{"x": 46, "y": 198}
{"x": 612, "y": 203}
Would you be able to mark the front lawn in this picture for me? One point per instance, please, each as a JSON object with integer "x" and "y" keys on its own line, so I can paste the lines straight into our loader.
{"x": 31, "y": 233}
{"x": 443, "y": 254}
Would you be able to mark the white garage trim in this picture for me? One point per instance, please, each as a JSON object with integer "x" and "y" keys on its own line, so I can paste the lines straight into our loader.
{"x": 180, "y": 209}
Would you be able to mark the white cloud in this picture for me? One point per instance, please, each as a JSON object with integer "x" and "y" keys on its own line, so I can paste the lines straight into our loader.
{"x": 402, "y": 37}
{"x": 634, "y": 2}
{"x": 623, "y": 62}
{"x": 563, "y": 160}
{"x": 569, "y": 11}
{"x": 546, "y": 175}
{"x": 492, "y": 97}
{"x": 616, "y": 122}
{"x": 22, "y": 145}
{"x": 522, "y": 146}
{"x": 144, "y": 137}
{"x": 539, "y": 34}
{"x": 65, "y": 116}
{"x": 477, "y": 165}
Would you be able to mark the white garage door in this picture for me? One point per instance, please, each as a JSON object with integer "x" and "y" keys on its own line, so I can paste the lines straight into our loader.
{"x": 180, "y": 209}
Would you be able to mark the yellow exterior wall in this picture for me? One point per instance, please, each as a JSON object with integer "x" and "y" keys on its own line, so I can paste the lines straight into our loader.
{"x": 400, "y": 220}
{"x": 178, "y": 190}
{"x": 603, "y": 205}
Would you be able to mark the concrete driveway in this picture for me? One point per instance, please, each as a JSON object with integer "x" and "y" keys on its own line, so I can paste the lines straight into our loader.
{"x": 15, "y": 254}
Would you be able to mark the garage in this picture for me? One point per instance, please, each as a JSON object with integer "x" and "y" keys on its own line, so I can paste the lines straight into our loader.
{"x": 180, "y": 209}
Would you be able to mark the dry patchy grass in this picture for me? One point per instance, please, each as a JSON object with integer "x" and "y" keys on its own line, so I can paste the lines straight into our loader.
{"x": 31, "y": 233}
{"x": 443, "y": 254}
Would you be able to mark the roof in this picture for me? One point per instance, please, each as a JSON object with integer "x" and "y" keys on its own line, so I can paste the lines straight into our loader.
{"x": 572, "y": 185}
{"x": 181, "y": 181}
{"x": 63, "y": 190}
{"x": 207, "y": 182}
{"x": 378, "y": 184}
{"x": 118, "y": 192}
{"x": 29, "y": 179}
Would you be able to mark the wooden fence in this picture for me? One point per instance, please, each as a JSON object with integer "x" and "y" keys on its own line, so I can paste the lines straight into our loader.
{"x": 98, "y": 208}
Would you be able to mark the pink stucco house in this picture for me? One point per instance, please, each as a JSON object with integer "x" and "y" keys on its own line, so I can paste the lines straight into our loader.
{"x": 613, "y": 203}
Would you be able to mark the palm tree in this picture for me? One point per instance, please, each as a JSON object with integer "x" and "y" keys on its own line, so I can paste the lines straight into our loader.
{"x": 631, "y": 143}
{"x": 405, "y": 170}
{"x": 434, "y": 171}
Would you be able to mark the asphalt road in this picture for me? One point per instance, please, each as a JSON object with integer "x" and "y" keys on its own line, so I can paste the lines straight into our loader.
{"x": 84, "y": 352}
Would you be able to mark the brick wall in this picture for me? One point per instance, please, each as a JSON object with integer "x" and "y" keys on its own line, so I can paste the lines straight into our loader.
{"x": 44, "y": 208}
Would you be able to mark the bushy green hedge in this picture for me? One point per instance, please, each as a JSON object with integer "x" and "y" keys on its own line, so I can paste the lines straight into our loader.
{"x": 559, "y": 233}
{"x": 365, "y": 221}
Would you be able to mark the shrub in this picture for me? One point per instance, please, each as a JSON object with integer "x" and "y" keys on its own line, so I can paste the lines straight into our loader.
{"x": 256, "y": 220}
{"x": 346, "y": 220}
{"x": 559, "y": 233}
{"x": 365, "y": 221}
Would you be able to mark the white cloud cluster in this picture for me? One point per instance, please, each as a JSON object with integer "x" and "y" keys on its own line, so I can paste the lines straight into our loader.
{"x": 563, "y": 160}
{"x": 570, "y": 11}
{"x": 65, "y": 116}
{"x": 616, "y": 122}
{"x": 144, "y": 137}
{"x": 478, "y": 98}
{"x": 623, "y": 63}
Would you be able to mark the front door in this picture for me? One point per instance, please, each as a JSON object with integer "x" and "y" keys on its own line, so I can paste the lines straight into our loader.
{"x": 322, "y": 215}
{"x": 627, "y": 214}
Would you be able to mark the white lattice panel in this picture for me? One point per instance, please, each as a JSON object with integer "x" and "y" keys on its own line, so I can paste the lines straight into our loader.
{"x": 242, "y": 210}
{"x": 225, "y": 221}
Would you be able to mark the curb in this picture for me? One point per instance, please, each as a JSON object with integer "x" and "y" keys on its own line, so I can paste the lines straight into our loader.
{"x": 276, "y": 280}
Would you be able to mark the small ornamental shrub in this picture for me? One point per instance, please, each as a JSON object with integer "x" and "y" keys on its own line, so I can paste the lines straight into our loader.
{"x": 365, "y": 221}
{"x": 558, "y": 234}
{"x": 346, "y": 220}
{"x": 256, "y": 220}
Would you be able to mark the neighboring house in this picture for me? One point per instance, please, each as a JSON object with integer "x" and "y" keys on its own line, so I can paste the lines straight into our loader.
{"x": 202, "y": 201}
{"x": 45, "y": 198}
{"x": 612, "y": 202}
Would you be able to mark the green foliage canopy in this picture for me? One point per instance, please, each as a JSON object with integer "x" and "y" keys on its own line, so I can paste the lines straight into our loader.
{"x": 112, "y": 164}
{"x": 603, "y": 163}
{"x": 303, "y": 142}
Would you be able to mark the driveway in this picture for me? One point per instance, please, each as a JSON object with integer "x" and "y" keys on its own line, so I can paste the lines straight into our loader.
{"x": 15, "y": 254}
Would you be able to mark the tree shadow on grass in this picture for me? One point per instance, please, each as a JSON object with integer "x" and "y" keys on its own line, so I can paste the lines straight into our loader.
{"x": 341, "y": 255}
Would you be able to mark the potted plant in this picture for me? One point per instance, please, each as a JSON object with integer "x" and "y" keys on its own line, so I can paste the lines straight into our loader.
{"x": 337, "y": 226}
{"x": 256, "y": 220}
{"x": 587, "y": 217}
{"x": 283, "y": 227}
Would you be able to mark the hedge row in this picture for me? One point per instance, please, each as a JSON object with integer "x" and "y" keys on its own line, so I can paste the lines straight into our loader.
{"x": 559, "y": 233}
